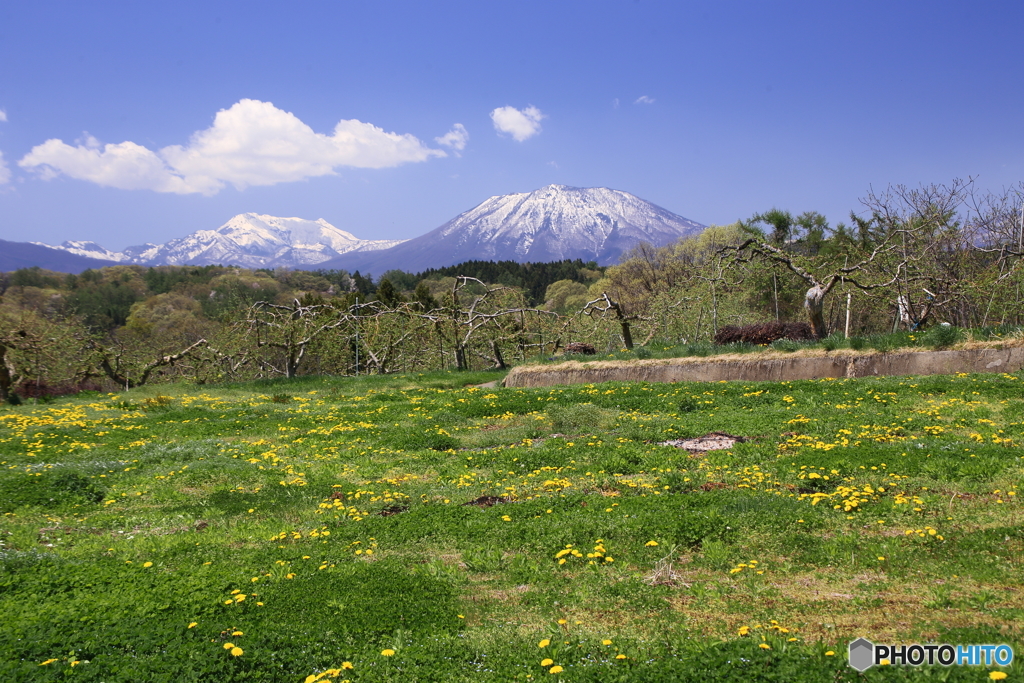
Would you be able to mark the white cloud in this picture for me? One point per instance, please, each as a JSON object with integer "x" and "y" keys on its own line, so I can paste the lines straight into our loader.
{"x": 644, "y": 99}
{"x": 3, "y": 116}
{"x": 456, "y": 138}
{"x": 5, "y": 173}
{"x": 126, "y": 166}
{"x": 521, "y": 125}
{"x": 252, "y": 143}
{"x": 615, "y": 103}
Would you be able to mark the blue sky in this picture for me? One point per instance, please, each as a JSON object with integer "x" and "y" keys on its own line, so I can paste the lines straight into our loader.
{"x": 133, "y": 122}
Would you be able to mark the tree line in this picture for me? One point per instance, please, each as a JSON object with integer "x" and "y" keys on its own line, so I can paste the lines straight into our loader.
{"x": 913, "y": 257}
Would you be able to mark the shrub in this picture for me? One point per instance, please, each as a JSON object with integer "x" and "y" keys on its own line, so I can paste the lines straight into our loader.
{"x": 883, "y": 343}
{"x": 833, "y": 341}
{"x": 942, "y": 336}
{"x": 580, "y": 349}
{"x": 763, "y": 333}
{"x": 43, "y": 390}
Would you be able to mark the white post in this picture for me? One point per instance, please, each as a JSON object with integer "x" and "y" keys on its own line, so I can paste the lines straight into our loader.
{"x": 848, "y": 296}
{"x": 1020, "y": 229}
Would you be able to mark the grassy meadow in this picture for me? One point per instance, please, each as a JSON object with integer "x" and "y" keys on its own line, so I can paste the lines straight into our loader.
{"x": 421, "y": 528}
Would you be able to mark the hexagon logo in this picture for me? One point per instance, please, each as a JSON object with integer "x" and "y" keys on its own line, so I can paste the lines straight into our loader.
{"x": 862, "y": 654}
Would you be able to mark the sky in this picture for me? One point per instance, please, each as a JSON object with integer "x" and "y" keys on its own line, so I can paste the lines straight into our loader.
{"x": 126, "y": 122}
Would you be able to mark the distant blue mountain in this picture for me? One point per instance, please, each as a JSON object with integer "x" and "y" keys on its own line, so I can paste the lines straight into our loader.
{"x": 16, "y": 255}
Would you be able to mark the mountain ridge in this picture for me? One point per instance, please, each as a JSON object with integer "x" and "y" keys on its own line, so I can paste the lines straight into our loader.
{"x": 250, "y": 240}
{"x": 552, "y": 223}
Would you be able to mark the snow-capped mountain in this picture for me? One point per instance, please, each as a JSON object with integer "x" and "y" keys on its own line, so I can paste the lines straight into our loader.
{"x": 249, "y": 240}
{"x": 90, "y": 250}
{"x": 552, "y": 223}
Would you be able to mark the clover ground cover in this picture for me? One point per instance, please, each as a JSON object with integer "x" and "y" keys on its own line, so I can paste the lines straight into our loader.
{"x": 416, "y": 528}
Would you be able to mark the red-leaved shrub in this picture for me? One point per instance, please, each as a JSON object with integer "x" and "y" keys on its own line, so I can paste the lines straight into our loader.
{"x": 763, "y": 333}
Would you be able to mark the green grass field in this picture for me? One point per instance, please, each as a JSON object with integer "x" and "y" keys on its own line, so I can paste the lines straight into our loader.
{"x": 418, "y": 528}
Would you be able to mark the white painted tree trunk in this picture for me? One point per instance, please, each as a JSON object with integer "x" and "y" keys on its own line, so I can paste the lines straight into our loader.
{"x": 814, "y": 303}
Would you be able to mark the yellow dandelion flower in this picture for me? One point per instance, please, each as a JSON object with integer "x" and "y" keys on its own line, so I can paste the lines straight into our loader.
{"x": 237, "y": 651}
{"x": 48, "y": 661}
{"x": 544, "y": 643}
{"x": 228, "y": 646}
{"x": 830, "y": 653}
{"x": 765, "y": 646}
{"x": 743, "y": 630}
{"x": 996, "y": 675}
{"x": 237, "y": 633}
{"x": 547, "y": 662}
{"x": 606, "y": 642}
{"x": 193, "y": 624}
{"x": 387, "y": 652}
{"x": 147, "y": 565}
{"x": 555, "y": 670}
{"x": 651, "y": 544}
{"x": 346, "y": 665}
{"x": 620, "y": 656}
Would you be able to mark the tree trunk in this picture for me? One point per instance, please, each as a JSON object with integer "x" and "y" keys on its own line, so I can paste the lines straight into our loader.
{"x": 627, "y": 335}
{"x": 5, "y": 375}
{"x": 498, "y": 360}
{"x": 814, "y": 303}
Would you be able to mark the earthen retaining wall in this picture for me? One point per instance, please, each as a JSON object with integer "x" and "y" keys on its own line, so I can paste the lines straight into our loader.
{"x": 770, "y": 369}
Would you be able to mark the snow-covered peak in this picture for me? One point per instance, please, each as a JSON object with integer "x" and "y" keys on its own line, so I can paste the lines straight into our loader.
{"x": 248, "y": 239}
{"x": 573, "y": 217}
{"x": 549, "y": 224}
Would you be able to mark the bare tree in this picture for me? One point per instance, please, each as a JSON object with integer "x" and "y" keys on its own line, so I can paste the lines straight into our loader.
{"x": 929, "y": 246}
{"x": 290, "y": 329}
{"x": 822, "y": 278}
{"x": 115, "y": 365}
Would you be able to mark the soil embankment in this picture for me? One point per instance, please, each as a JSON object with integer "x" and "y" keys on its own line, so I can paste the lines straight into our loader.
{"x": 756, "y": 368}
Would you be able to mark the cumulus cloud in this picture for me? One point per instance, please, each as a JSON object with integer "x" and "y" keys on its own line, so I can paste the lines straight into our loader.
{"x": 456, "y": 138}
{"x": 3, "y": 116}
{"x": 521, "y": 125}
{"x": 644, "y": 99}
{"x": 5, "y": 173}
{"x": 251, "y": 143}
